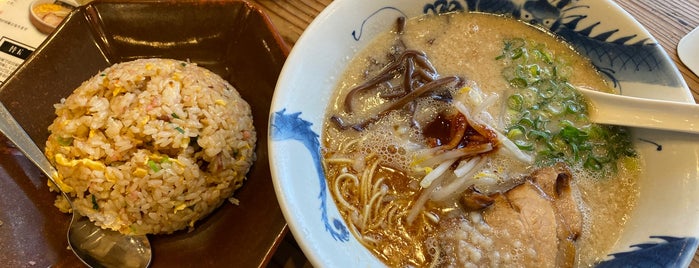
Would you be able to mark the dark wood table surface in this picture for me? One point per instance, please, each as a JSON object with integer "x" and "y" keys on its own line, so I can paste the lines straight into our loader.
{"x": 667, "y": 20}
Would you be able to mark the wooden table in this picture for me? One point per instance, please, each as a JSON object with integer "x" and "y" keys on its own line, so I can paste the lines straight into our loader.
{"x": 667, "y": 20}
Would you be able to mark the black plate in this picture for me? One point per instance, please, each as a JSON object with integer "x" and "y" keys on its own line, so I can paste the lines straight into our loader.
{"x": 232, "y": 38}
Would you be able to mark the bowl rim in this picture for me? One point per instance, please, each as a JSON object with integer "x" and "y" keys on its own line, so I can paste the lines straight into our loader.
{"x": 336, "y": 9}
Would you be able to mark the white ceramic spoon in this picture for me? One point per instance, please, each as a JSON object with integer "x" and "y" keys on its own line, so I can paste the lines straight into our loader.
{"x": 688, "y": 50}
{"x": 628, "y": 111}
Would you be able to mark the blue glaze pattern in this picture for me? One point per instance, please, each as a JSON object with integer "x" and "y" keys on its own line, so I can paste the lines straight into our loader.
{"x": 672, "y": 252}
{"x": 442, "y": 6}
{"x": 358, "y": 35}
{"x": 618, "y": 58}
{"x": 292, "y": 127}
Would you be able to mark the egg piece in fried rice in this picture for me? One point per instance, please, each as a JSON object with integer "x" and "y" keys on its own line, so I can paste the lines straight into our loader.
{"x": 150, "y": 146}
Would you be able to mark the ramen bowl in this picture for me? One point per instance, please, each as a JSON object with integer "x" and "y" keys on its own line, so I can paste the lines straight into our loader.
{"x": 661, "y": 230}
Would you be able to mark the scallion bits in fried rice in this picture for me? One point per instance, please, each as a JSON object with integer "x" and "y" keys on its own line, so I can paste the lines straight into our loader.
{"x": 146, "y": 146}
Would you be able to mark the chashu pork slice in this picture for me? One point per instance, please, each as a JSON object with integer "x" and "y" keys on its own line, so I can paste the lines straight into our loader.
{"x": 556, "y": 183}
{"x": 542, "y": 211}
{"x": 534, "y": 224}
{"x": 536, "y": 212}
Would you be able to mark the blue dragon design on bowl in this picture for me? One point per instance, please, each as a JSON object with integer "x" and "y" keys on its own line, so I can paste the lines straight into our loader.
{"x": 286, "y": 126}
{"x": 671, "y": 252}
{"x": 619, "y": 58}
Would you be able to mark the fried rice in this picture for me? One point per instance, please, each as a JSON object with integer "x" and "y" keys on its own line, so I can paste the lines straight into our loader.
{"x": 151, "y": 146}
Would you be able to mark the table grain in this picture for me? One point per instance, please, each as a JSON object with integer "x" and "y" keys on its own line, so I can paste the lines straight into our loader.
{"x": 667, "y": 20}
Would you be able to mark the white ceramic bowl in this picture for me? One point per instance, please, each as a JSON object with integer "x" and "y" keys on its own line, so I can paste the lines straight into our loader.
{"x": 47, "y": 23}
{"x": 663, "y": 227}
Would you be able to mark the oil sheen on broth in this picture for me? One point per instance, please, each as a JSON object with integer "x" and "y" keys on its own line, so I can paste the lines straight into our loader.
{"x": 415, "y": 197}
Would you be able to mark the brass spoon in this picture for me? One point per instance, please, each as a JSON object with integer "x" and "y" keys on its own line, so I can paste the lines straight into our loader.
{"x": 94, "y": 246}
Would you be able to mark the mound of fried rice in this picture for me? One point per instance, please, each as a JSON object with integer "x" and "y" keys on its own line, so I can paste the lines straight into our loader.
{"x": 151, "y": 146}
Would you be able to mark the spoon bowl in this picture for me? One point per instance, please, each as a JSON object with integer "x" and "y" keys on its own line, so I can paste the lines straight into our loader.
{"x": 605, "y": 108}
{"x": 688, "y": 50}
{"x": 93, "y": 245}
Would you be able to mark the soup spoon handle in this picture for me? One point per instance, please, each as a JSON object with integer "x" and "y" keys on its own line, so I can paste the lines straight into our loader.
{"x": 611, "y": 109}
{"x": 11, "y": 129}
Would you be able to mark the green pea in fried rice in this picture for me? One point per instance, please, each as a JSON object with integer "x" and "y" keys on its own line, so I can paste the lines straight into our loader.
{"x": 151, "y": 146}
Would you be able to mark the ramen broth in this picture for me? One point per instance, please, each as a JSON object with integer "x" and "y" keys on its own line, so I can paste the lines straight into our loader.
{"x": 371, "y": 167}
